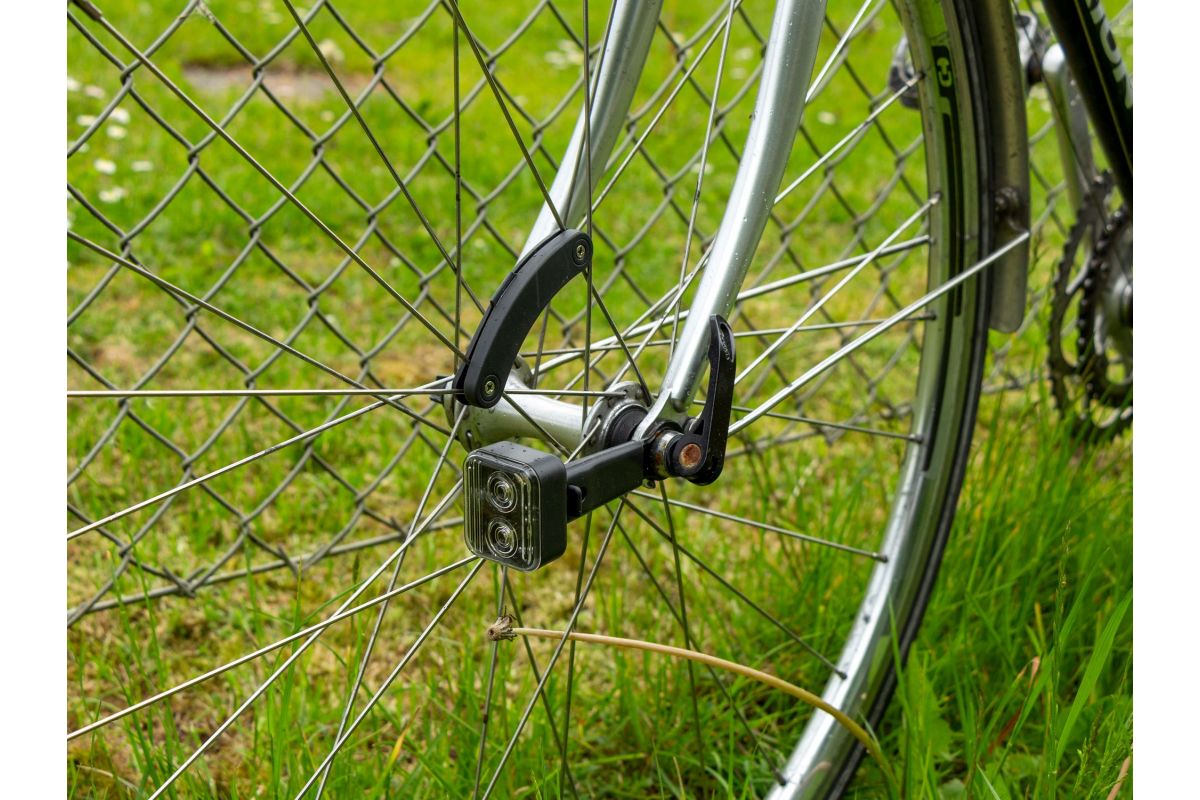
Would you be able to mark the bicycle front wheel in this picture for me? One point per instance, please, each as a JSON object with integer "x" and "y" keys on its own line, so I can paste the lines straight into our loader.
{"x": 284, "y": 225}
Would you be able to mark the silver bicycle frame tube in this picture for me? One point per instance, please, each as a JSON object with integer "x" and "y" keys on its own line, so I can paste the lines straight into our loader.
{"x": 621, "y": 63}
{"x": 1071, "y": 127}
{"x": 787, "y": 69}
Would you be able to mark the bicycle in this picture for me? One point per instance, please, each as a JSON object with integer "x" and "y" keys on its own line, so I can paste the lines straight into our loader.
{"x": 944, "y": 239}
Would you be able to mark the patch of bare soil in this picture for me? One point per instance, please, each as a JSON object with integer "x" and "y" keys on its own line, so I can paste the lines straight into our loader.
{"x": 287, "y": 82}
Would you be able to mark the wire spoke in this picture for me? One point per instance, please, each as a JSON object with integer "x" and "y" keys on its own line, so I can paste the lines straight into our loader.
{"x": 841, "y": 284}
{"x": 308, "y": 642}
{"x": 666, "y": 104}
{"x": 815, "y": 84}
{"x": 262, "y": 651}
{"x": 491, "y": 681}
{"x": 766, "y": 526}
{"x": 412, "y": 650}
{"x": 752, "y": 333}
{"x": 558, "y": 649}
{"x": 241, "y": 462}
{"x": 537, "y": 676}
{"x": 755, "y": 736}
{"x": 191, "y": 298}
{"x": 841, "y": 426}
{"x": 587, "y": 535}
{"x": 512, "y": 126}
{"x": 374, "y": 636}
{"x": 708, "y": 132}
{"x": 876, "y": 331}
{"x": 683, "y": 616}
{"x": 667, "y": 301}
{"x": 387, "y": 162}
{"x": 738, "y": 593}
{"x": 849, "y": 137}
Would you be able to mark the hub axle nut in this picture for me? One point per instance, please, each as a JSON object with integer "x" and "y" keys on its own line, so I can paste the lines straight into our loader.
{"x": 690, "y": 456}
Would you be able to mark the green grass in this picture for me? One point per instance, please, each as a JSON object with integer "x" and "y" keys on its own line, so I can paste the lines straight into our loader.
{"x": 1038, "y": 566}
{"x": 1021, "y": 678}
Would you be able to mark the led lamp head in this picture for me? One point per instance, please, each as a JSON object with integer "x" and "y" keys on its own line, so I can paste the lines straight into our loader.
{"x": 516, "y": 505}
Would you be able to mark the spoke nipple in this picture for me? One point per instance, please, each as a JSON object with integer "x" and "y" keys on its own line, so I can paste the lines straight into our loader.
{"x": 502, "y": 628}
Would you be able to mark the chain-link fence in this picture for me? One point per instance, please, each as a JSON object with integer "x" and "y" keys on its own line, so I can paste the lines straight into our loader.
{"x": 212, "y": 164}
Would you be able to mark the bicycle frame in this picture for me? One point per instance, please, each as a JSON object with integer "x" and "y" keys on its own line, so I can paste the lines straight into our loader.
{"x": 1105, "y": 86}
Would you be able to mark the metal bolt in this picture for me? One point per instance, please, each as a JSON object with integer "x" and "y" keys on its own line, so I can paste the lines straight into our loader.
{"x": 690, "y": 455}
{"x": 580, "y": 252}
{"x": 489, "y": 387}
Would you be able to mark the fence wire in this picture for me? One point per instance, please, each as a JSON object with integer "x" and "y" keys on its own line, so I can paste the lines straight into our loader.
{"x": 214, "y": 205}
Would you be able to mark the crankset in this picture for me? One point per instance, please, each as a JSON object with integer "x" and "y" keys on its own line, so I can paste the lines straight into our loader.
{"x": 520, "y": 499}
{"x": 1090, "y": 356}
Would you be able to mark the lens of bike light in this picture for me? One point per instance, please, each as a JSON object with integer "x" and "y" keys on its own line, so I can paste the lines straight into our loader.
{"x": 501, "y": 492}
{"x": 502, "y": 537}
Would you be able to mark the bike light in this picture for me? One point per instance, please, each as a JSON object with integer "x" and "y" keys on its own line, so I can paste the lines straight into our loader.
{"x": 516, "y": 505}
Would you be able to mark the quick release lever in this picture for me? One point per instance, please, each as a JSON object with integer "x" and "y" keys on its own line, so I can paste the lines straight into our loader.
{"x": 698, "y": 454}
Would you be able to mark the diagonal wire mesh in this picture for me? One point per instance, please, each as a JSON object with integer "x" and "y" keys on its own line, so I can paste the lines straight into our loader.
{"x": 151, "y": 182}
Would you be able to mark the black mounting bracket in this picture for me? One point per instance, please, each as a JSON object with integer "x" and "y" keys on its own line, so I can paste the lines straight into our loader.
{"x": 514, "y": 309}
{"x": 698, "y": 454}
{"x": 519, "y": 500}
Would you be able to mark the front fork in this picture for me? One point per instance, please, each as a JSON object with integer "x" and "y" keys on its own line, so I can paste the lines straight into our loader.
{"x": 519, "y": 500}
{"x": 1087, "y": 81}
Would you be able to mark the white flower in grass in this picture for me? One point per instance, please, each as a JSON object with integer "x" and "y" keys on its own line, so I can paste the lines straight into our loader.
{"x": 115, "y": 132}
{"x": 73, "y": 85}
{"x": 827, "y": 118}
{"x": 94, "y": 92}
{"x": 737, "y": 73}
{"x": 86, "y": 120}
{"x": 104, "y": 166}
{"x": 329, "y": 48}
{"x": 113, "y": 195}
{"x": 743, "y": 53}
{"x": 141, "y": 166}
{"x": 327, "y": 115}
{"x": 567, "y": 55}
{"x": 120, "y": 116}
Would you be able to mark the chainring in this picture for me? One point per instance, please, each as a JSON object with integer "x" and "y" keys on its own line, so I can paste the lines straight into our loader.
{"x": 1097, "y": 406}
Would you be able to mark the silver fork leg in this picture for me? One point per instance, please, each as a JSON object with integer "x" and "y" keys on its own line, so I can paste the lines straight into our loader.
{"x": 620, "y": 66}
{"x": 787, "y": 69}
